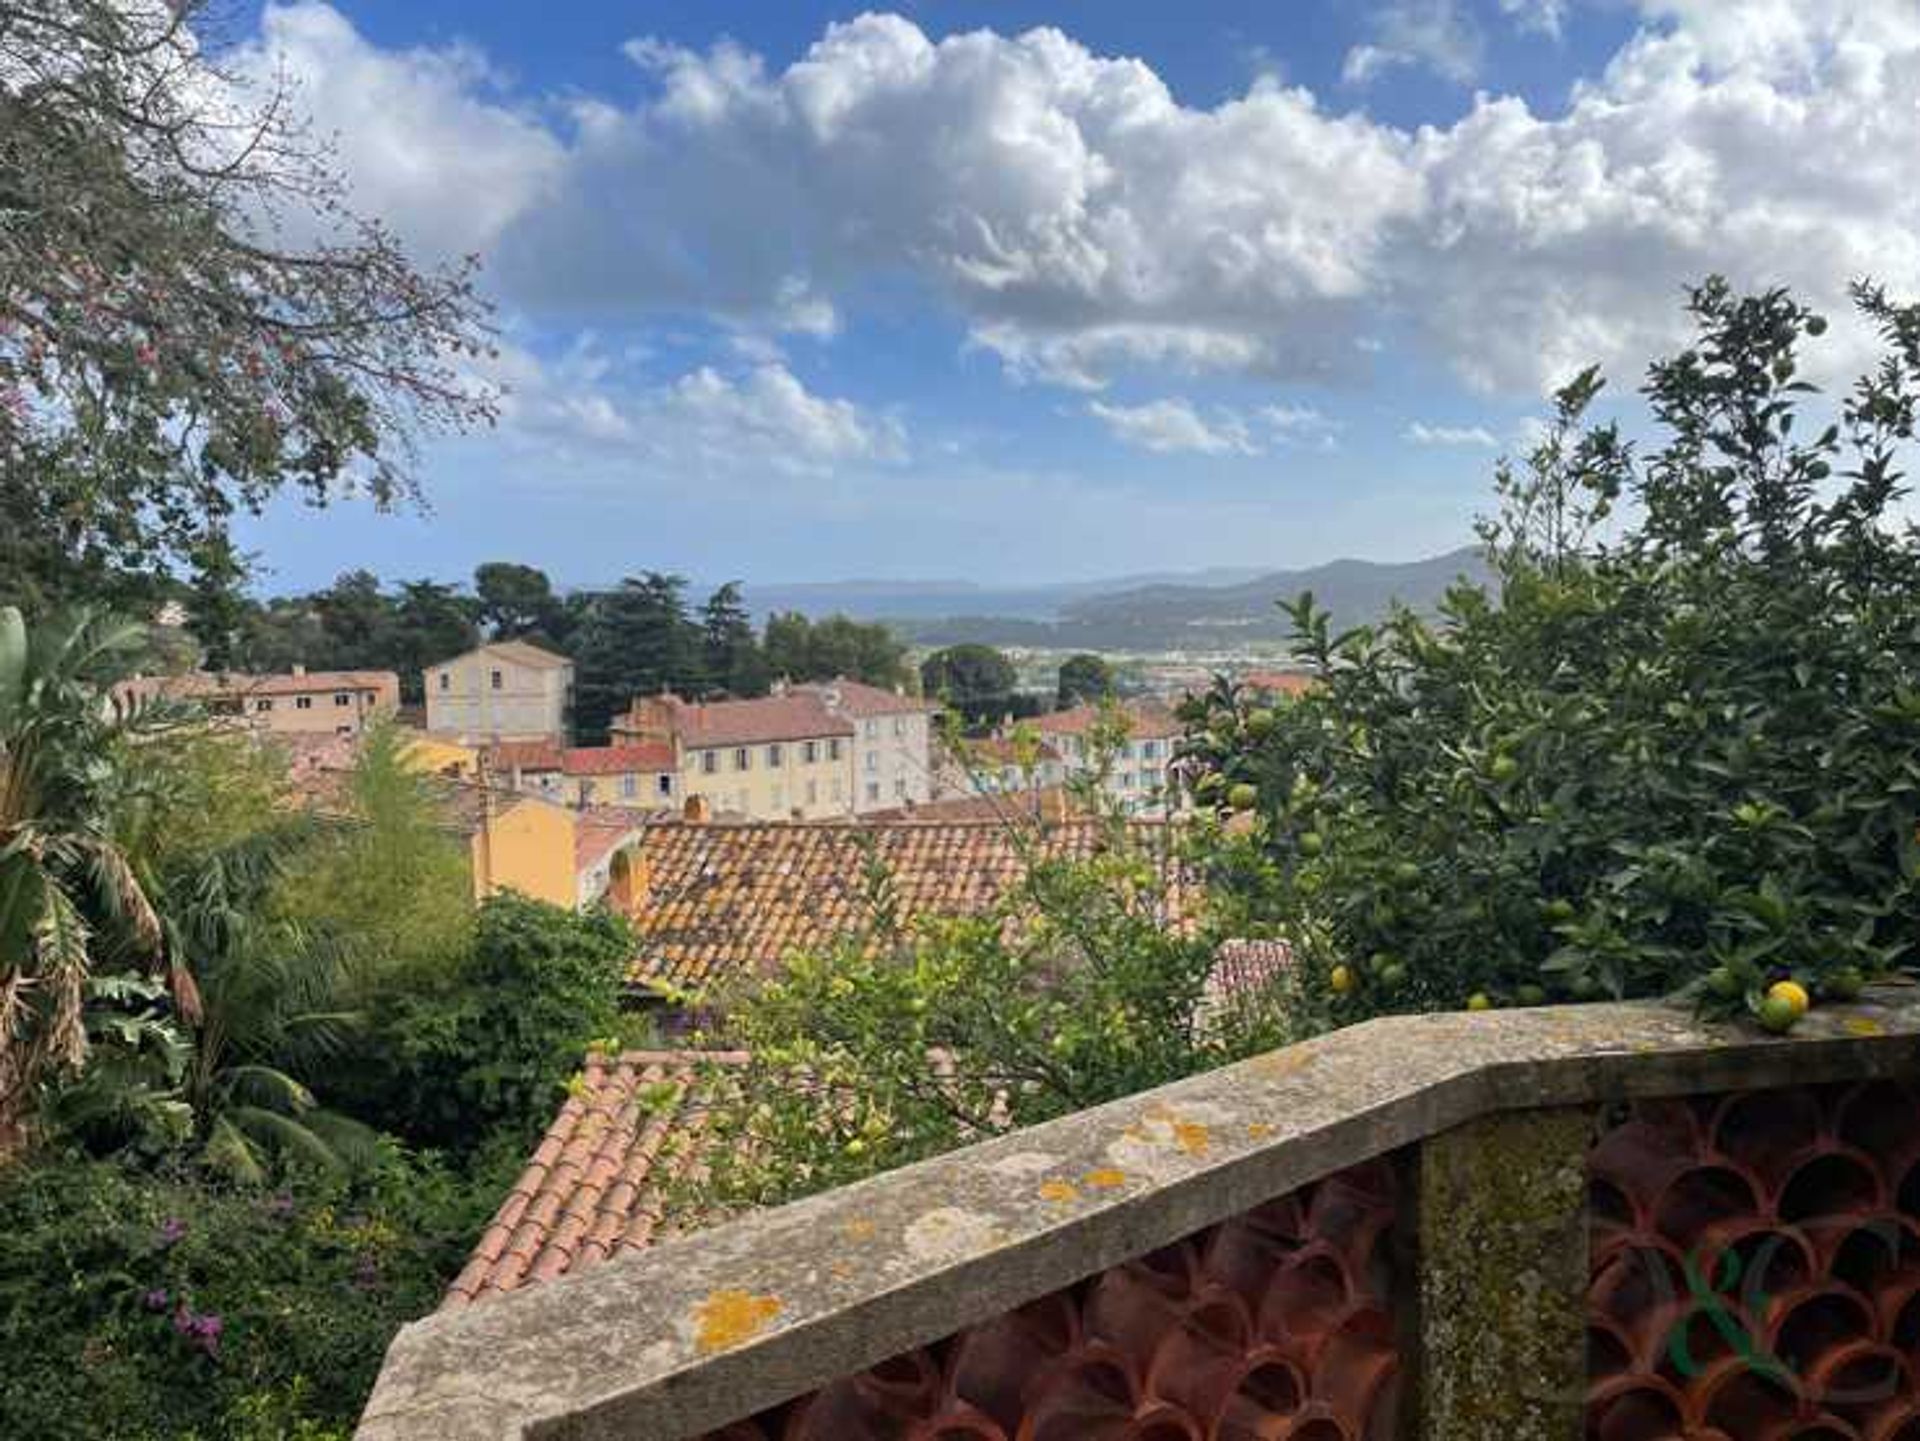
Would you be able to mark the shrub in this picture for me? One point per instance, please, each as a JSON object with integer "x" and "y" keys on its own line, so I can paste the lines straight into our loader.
{"x": 492, "y": 1049}
{"x": 137, "y": 1305}
{"x": 1684, "y": 758}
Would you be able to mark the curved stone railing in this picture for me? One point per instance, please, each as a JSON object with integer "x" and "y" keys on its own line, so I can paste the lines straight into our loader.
{"x": 1461, "y": 1226}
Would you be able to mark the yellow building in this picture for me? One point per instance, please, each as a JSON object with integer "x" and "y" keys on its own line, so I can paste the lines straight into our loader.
{"x": 299, "y": 703}
{"x": 784, "y": 757}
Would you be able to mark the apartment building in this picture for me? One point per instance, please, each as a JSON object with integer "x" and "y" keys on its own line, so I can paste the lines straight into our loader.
{"x": 299, "y": 703}
{"x": 892, "y": 743}
{"x": 784, "y": 757}
{"x": 1137, "y": 773}
{"x": 504, "y": 691}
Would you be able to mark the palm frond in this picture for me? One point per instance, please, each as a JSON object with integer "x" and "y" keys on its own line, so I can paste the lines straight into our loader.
{"x": 272, "y": 1133}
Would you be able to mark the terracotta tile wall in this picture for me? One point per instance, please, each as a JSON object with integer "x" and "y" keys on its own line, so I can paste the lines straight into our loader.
{"x": 1756, "y": 1268}
{"x": 1275, "y": 1324}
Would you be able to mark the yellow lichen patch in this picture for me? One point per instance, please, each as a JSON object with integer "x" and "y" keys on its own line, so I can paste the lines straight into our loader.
{"x": 1283, "y": 1063}
{"x": 1861, "y": 1026}
{"x": 859, "y": 1230}
{"x": 727, "y": 1318}
{"x": 1058, "y": 1191}
{"x": 1259, "y": 1130}
{"x": 1192, "y": 1137}
{"x": 1105, "y": 1178}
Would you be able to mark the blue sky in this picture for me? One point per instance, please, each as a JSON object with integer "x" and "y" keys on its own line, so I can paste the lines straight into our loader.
{"x": 1023, "y": 291}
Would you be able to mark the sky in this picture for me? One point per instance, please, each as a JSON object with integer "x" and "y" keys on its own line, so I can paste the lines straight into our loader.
{"x": 1017, "y": 292}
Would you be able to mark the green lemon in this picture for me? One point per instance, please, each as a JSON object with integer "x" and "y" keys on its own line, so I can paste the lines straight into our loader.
{"x": 1312, "y": 843}
{"x": 1531, "y": 995}
{"x": 1243, "y": 796}
{"x": 1778, "y": 1014}
{"x": 1479, "y": 1001}
{"x": 1260, "y": 724}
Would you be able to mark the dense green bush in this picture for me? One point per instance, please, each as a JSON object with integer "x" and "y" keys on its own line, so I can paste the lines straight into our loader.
{"x": 1686, "y": 755}
{"x": 136, "y": 1305}
{"x": 488, "y": 1052}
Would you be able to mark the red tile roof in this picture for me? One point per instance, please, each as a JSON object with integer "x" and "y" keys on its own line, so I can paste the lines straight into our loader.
{"x": 1279, "y": 682}
{"x": 600, "y": 1182}
{"x": 792, "y": 717}
{"x": 730, "y": 899}
{"x": 202, "y": 685}
{"x": 506, "y": 756}
{"x": 1027, "y": 803}
{"x": 617, "y": 760}
{"x": 1147, "y": 720}
{"x": 515, "y": 652}
{"x": 596, "y": 836}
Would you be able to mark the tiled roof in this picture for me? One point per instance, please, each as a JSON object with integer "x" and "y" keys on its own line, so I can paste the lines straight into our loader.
{"x": 618, "y": 759}
{"x": 1279, "y": 682}
{"x": 599, "y": 1183}
{"x": 1026, "y": 803}
{"x": 752, "y": 722}
{"x": 723, "y": 900}
{"x": 506, "y": 756}
{"x": 596, "y": 835}
{"x": 1147, "y": 720}
{"x": 857, "y": 698}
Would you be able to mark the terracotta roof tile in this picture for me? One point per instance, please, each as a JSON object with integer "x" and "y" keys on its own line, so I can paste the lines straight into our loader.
{"x": 729, "y": 899}
{"x": 1146, "y": 720}
{"x": 514, "y": 652}
{"x": 857, "y": 698}
{"x": 617, "y": 759}
{"x": 505, "y": 756}
{"x": 605, "y": 1185}
{"x": 792, "y": 717}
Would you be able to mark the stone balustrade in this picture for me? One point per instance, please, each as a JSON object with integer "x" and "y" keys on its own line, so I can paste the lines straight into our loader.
{"x": 1611, "y": 1220}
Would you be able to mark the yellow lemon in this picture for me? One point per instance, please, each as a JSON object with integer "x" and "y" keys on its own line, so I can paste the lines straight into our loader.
{"x": 1792, "y": 994}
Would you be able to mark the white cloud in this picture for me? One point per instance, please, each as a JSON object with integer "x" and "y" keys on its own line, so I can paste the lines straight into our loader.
{"x": 1301, "y": 425}
{"x": 1437, "y": 35}
{"x": 1422, "y": 434}
{"x": 1083, "y": 222}
{"x": 1539, "y": 17}
{"x": 768, "y": 412}
{"x": 1167, "y": 427}
{"x": 424, "y": 146}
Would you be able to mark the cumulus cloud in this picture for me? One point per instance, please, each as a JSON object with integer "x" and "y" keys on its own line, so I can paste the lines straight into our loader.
{"x": 1438, "y": 35}
{"x": 1421, "y": 433}
{"x": 1084, "y": 223}
{"x": 768, "y": 411}
{"x": 1170, "y": 426}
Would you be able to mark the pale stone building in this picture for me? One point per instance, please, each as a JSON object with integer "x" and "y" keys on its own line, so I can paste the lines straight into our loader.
{"x": 503, "y": 691}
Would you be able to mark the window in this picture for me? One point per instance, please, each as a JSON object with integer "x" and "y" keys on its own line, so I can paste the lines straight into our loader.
{"x": 340, "y": 697}
{"x": 900, "y": 787}
{"x": 873, "y": 761}
{"x": 1150, "y": 750}
{"x": 709, "y": 762}
{"x": 809, "y": 752}
{"x": 494, "y": 679}
{"x": 303, "y": 702}
{"x": 743, "y": 760}
{"x": 586, "y": 793}
{"x": 900, "y": 725}
{"x": 446, "y": 680}
{"x": 263, "y": 705}
{"x": 873, "y": 790}
{"x": 833, "y": 749}
{"x": 666, "y": 784}
{"x": 1126, "y": 780}
{"x": 773, "y": 756}
{"x": 873, "y": 728}
{"x": 630, "y": 786}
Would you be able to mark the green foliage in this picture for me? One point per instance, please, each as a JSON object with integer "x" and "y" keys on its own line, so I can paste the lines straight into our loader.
{"x": 517, "y": 601}
{"x": 167, "y": 356}
{"x": 976, "y": 680}
{"x": 1084, "y": 677}
{"x": 634, "y": 641}
{"x": 112, "y": 1280}
{"x": 800, "y": 649}
{"x": 730, "y": 653}
{"x": 1686, "y": 758}
{"x": 490, "y": 1051}
{"x": 904, "y": 1043}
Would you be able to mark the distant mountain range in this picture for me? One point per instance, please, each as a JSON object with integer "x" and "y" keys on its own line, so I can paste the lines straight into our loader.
{"x": 1215, "y": 609}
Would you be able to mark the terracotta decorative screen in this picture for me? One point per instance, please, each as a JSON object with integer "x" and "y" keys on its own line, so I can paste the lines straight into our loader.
{"x": 1275, "y": 1324}
{"x": 1756, "y": 1268}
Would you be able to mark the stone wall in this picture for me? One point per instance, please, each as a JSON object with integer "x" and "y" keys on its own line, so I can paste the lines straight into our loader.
{"x": 1611, "y": 1221}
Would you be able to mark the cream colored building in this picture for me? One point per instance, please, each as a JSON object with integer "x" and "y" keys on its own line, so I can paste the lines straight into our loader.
{"x": 1137, "y": 769}
{"x": 633, "y": 775}
{"x": 892, "y": 743}
{"x": 299, "y": 703}
{"x": 785, "y": 757}
{"x": 504, "y": 691}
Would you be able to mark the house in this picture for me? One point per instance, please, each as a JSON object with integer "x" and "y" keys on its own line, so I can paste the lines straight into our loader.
{"x": 1137, "y": 774}
{"x": 502, "y": 691}
{"x": 299, "y": 703}
{"x": 635, "y": 774}
{"x": 787, "y": 756}
{"x": 893, "y": 742}
{"x": 718, "y": 901}
{"x": 1277, "y": 684}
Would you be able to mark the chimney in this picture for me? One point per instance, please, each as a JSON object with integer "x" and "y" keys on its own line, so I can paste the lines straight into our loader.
{"x": 696, "y": 811}
{"x": 299, "y": 668}
{"x": 1053, "y": 805}
{"x": 778, "y": 688}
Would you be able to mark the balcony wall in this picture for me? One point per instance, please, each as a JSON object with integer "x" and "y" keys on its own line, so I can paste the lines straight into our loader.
{"x": 1610, "y": 1221}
